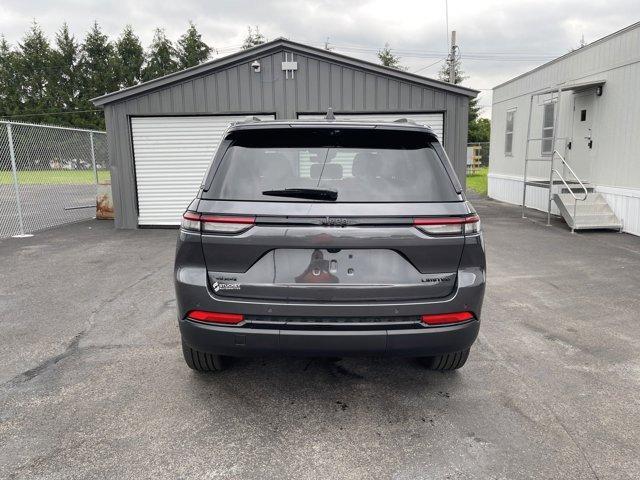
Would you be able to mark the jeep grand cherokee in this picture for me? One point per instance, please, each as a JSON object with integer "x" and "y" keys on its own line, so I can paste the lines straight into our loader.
{"x": 329, "y": 238}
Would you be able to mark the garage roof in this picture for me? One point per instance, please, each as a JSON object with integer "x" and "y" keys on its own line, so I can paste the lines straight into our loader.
{"x": 269, "y": 47}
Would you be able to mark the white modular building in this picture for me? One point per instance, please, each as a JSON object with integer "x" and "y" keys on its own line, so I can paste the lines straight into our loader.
{"x": 566, "y": 136}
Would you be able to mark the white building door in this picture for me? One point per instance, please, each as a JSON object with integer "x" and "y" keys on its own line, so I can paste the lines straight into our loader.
{"x": 582, "y": 138}
{"x": 171, "y": 156}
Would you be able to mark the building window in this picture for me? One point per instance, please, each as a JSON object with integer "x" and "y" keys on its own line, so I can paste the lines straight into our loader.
{"x": 508, "y": 135}
{"x": 547, "y": 128}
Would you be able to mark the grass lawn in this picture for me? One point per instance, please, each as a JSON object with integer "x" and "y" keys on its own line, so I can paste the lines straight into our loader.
{"x": 478, "y": 181}
{"x": 54, "y": 177}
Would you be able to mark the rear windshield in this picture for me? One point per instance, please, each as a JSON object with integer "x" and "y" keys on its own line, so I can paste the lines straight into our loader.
{"x": 356, "y": 165}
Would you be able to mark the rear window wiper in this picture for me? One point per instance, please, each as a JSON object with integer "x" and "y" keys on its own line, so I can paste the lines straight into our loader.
{"x": 310, "y": 193}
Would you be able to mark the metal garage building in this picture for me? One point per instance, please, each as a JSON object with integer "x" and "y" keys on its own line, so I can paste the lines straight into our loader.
{"x": 162, "y": 133}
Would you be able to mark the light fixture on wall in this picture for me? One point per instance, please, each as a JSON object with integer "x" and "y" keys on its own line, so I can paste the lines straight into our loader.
{"x": 599, "y": 90}
{"x": 256, "y": 66}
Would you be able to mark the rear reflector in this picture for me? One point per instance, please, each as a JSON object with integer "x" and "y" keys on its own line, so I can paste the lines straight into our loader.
{"x": 445, "y": 318}
{"x": 448, "y": 225}
{"x": 216, "y": 223}
{"x": 215, "y": 317}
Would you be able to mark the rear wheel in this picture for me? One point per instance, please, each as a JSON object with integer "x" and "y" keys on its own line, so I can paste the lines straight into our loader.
{"x": 448, "y": 361}
{"x": 202, "y": 361}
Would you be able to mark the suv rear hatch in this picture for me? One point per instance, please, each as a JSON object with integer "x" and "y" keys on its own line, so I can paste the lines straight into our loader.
{"x": 337, "y": 214}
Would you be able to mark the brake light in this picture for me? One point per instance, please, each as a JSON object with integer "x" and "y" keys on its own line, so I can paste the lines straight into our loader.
{"x": 197, "y": 222}
{"x": 215, "y": 317}
{"x": 446, "y": 318}
{"x": 191, "y": 221}
{"x": 448, "y": 225}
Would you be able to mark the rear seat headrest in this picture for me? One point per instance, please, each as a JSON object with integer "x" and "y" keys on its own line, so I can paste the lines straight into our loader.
{"x": 366, "y": 164}
{"x": 332, "y": 171}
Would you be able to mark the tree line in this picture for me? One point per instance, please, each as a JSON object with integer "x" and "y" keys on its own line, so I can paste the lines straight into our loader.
{"x": 479, "y": 128}
{"x": 45, "y": 82}
{"x": 54, "y": 83}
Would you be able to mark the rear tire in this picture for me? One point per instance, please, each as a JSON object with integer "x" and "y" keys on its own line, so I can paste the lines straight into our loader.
{"x": 202, "y": 361}
{"x": 448, "y": 361}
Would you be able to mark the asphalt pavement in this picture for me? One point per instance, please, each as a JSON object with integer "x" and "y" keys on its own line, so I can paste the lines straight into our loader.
{"x": 93, "y": 384}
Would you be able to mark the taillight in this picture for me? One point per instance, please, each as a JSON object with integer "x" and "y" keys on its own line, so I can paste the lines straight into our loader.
{"x": 448, "y": 225}
{"x": 215, "y": 317}
{"x": 191, "y": 221}
{"x": 197, "y": 222}
{"x": 446, "y": 318}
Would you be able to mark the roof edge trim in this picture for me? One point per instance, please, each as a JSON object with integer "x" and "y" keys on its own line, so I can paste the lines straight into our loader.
{"x": 268, "y": 47}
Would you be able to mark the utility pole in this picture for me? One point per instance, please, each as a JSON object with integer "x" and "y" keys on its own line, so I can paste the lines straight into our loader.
{"x": 452, "y": 58}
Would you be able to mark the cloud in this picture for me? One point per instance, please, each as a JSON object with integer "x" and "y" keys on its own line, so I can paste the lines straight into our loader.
{"x": 498, "y": 40}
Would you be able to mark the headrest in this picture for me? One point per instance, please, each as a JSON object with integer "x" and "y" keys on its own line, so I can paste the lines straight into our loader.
{"x": 275, "y": 165}
{"x": 366, "y": 164}
{"x": 332, "y": 171}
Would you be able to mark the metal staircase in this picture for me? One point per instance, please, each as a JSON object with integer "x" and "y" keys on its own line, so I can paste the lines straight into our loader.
{"x": 587, "y": 209}
{"x": 581, "y": 207}
{"x": 591, "y": 213}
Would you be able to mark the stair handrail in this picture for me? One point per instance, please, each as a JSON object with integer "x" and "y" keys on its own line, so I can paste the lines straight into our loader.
{"x": 566, "y": 164}
{"x": 575, "y": 198}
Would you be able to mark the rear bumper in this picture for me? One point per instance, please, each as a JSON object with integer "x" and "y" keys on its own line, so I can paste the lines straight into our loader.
{"x": 414, "y": 342}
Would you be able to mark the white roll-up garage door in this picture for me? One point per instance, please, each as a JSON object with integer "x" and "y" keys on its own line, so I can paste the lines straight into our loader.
{"x": 433, "y": 120}
{"x": 171, "y": 156}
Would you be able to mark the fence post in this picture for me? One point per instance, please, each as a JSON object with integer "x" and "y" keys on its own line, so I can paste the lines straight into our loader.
{"x": 14, "y": 170}
{"x": 93, "y": 158}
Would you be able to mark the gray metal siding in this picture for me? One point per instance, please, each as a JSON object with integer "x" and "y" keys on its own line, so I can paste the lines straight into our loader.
{"x": 317, "y": 85}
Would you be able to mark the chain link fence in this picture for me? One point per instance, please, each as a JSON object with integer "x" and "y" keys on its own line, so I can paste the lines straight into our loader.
{"x": 48, "y": 175}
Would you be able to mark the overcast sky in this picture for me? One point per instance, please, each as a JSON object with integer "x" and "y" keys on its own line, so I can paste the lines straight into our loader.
{"x": 498, "y": 39}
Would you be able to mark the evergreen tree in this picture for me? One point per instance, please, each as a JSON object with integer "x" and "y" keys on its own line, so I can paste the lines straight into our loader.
{"x": 458, "y": 77}
{"x": 474, "y": 110}
{"x": 452, "y": 63}
{"x": 191, "y": 49}
{"x": 389, "y": 59}
{"x": 253, "y": 38}
{"x": 97, "y": 75}
{"x": 98, "y": 64}
{"x": 63, "y": 75}
{"x": 129, "y": 58}
{"x": 32, "y": 71}
{"x": 161, "y": 57}
{"x": 9, "y": 94}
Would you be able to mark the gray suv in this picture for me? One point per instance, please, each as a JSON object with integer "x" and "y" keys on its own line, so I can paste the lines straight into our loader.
{"x": 329, "y": 238}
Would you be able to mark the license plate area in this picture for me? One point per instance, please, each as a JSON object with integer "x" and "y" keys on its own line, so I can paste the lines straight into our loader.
{"x": 333, "y": 275}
